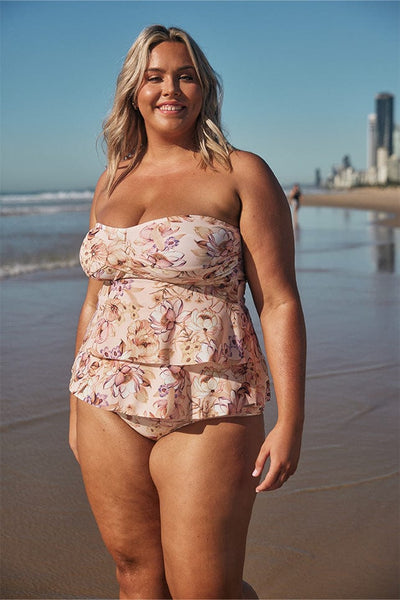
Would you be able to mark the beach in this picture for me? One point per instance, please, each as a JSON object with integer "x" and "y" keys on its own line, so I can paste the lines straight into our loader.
{"x": 382, "y": 200}
{"x": 332, "y": 530}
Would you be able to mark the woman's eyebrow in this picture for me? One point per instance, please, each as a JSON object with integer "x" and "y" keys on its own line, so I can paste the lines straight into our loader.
{"x": 159, "y": 70}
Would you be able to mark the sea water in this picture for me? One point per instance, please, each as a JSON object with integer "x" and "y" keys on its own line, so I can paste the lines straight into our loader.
{"x": 42, "y": 231}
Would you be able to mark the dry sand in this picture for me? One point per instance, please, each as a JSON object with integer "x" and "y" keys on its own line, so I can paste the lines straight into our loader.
{"x": 383, "y": 200}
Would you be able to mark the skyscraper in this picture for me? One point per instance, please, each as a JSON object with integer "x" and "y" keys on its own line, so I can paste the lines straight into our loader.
{"x": 371, "y": 141}
{"x": 384, "y": 121}
{"x": 396, "y": 141}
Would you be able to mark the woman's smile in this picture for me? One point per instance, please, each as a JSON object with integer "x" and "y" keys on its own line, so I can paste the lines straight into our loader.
{"x": 169, "y": 107}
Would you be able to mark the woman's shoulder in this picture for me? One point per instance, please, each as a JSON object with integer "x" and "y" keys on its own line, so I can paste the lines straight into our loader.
{"x": 244, "y": 159}
{"x": 251, "y": 169}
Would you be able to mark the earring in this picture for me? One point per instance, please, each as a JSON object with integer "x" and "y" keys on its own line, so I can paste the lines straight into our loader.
{"x": 134, "y": 105}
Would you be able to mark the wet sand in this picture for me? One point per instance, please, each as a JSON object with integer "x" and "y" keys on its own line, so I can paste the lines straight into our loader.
{"x": 331, "y": 532}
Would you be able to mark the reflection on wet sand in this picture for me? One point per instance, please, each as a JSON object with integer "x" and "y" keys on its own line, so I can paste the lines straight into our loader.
{"x": 384, "y": 250}
{"x": 383, "y": 244}
{"x": 346, "y": 239}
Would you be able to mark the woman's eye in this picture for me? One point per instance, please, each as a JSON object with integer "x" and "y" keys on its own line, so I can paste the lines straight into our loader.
{"x": 159, "y": 79}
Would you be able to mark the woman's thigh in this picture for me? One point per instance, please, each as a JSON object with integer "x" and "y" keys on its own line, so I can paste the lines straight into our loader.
{"x": 206, "y": 490}
{"x": 114, "y": 461}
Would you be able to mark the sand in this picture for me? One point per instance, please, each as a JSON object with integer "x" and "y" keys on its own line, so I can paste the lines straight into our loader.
{"x": 383, "y": 200}
{"x": 331, "y": 532}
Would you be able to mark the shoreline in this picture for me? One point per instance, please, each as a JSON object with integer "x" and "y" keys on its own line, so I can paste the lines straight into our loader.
{"x": 386, "y": 200}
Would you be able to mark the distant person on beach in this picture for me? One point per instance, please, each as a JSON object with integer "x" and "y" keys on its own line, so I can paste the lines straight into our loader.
{"x": 295, "y": 197}
{"x": 169, "y": 383}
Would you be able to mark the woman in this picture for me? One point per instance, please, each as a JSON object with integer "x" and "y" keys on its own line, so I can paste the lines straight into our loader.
{"x": 165, "y": 345}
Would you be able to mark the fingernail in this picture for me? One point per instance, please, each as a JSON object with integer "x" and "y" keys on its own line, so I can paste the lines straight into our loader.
{"x": 255, "y": 473}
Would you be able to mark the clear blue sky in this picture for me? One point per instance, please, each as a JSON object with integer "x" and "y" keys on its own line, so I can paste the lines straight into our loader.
{"x": 299, "y": 77}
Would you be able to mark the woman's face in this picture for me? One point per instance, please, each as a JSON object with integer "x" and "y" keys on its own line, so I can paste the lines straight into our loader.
{"x": 170, "y": 96}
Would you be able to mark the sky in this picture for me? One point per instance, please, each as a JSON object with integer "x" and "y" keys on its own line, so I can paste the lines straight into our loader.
{"x": 299, "y": 79}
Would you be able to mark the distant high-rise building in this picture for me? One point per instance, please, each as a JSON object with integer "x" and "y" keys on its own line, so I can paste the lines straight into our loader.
{"x": 382, "y": 164}
{"x": 371, "y": 141}
{"x": 396, "y": 141}
{"x": 346, "y": 162}
{"x": 384, "y": 121}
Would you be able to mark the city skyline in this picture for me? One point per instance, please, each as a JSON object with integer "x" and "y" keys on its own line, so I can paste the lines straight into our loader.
{"x": 299, "y": 78}
{"x": 383, "y": 151}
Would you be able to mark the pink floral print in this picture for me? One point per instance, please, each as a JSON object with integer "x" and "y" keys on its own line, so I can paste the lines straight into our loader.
{"x": 171, "y": 338}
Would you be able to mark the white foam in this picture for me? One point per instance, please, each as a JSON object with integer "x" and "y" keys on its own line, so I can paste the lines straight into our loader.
{"x": 24, "y": 268}
{"x": 47, "y": 197}
{"x": 18, "y": 211}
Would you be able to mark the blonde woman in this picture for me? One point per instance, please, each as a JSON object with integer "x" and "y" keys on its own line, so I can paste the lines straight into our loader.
{"x": 169, "y": 383}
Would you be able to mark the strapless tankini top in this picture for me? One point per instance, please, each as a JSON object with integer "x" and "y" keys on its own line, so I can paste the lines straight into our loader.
{"x": 171, "y": 337}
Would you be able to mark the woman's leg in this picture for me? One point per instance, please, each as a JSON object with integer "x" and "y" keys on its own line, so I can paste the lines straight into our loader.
{"x": 203, "y": 476}
{"x": 115, "y": 466}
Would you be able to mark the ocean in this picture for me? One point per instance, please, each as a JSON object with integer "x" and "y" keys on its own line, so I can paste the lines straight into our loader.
{"x": 42, "y": 231}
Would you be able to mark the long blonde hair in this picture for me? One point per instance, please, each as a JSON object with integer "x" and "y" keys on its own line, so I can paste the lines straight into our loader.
{"x": 124, "y": 130}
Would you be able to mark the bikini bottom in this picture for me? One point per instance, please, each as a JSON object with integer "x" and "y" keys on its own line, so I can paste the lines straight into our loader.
{"x": 154, "y": 429}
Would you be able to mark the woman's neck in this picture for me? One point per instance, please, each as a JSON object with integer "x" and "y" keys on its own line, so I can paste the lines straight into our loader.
{"x": 167, "y": 148}
{"x": 164, "y": 154}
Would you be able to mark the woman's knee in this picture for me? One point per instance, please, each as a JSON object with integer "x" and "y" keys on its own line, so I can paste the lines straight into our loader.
{"x": 140, "y": 575}
{"x": 134, "y": 567}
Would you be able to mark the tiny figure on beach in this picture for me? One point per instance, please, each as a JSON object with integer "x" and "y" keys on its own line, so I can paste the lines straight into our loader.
{"x": 295, "y": 197}
{"x": 169, "y": 382}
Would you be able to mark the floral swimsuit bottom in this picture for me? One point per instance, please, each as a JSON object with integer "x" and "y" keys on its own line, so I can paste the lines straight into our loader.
{"x": 171, "y": 341}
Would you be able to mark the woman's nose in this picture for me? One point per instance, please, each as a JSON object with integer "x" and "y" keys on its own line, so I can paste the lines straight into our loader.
{"x": 171, "y": 86}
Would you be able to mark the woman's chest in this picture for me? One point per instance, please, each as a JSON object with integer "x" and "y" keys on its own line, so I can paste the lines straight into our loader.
{"x": 141, "y": 198}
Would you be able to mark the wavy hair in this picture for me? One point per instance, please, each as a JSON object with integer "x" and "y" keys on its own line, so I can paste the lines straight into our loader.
{"x": 124, "y": 129}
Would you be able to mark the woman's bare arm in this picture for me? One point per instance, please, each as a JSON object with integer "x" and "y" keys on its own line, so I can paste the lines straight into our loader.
{"x": 267, "y": 233}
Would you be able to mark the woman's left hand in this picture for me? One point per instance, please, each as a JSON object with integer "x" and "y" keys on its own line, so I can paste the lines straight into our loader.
{"x": 282, "y": 446}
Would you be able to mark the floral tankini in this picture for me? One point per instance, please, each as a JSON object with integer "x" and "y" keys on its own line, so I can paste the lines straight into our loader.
{"x": 171, "y": 341}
